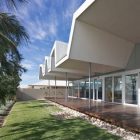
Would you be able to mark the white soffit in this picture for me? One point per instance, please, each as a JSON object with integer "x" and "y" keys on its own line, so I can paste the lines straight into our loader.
{"x": 119, "y": 17}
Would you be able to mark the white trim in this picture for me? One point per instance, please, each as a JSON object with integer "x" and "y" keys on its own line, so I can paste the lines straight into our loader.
{"x": 133, "y": 105}
{"x": 112, "y": 89}
{"x": 138, "y": 89}
{"x": 93, "y": 90}
{"x": 123, "y": 89}
{"x": 103, "y": 89}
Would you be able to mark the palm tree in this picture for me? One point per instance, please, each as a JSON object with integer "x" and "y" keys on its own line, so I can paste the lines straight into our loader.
{"x": 13, "y": 4}
{"x": 11, "y": 32}
{"x": 12, "y": 35}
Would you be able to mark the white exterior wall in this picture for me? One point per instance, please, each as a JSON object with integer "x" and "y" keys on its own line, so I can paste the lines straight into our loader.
{"x": 96, "y": 46}
{"x": 60, "y": 51}
{"x": 134, "y": 60}
{"x": 49, "y": 63}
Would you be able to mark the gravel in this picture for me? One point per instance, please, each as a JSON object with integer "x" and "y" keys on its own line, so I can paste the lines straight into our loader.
{"x": 67, "y": 113}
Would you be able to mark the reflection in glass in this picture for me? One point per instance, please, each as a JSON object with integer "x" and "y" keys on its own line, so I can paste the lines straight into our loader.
{"x": 131, "y": 89}
{"x": 118, "y": 89}
{"x": 108, "y": 89}
{"x": 98, "y": 89}
{"x": 95, "y": 89}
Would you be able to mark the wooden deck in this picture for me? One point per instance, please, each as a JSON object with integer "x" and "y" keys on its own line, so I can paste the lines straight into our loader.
{"x": 125, "y": 116}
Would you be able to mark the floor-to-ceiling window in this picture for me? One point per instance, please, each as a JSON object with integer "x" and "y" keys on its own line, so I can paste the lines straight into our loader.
{"x": 131, "y": 89}
{"x": 82, "y": 88}
{"x": 98, "y": 89}
{"x": 108, "y": 89}
{"x": 118, "y": 89}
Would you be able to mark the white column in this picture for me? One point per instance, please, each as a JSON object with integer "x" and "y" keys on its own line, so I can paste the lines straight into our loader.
{"x": 68, "y": 88}
{"x": 113, "y": 89}
{"x": 66, "y": 94}
{"x": 49, "y": 87}
{"x": 123, "y": 89}
{"x": 89, "y": 85}
{"x": 93, "y": 91}
{"x": 78, "y": 89}
{"x": 72, "y": 91}
{"x": 85, "y": 90}
{"x": 139, "y": 89}
{"x": 55, "y": 88}
{"x": 103, "y": 89}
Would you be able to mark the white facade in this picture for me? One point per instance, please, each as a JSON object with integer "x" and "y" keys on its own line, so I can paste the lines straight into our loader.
{"x": 104, "y": 39}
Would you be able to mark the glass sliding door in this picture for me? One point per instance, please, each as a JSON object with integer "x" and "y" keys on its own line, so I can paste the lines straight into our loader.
{"x": 95, "y": 89}
{"x": 98, "y": 89}
{"x": 87, "y": 89}
{"x": 131, "y": 89}
{"x": 108, "y": 89}
{"x": 118, "y": 89}
{"x": 82, "y": 89}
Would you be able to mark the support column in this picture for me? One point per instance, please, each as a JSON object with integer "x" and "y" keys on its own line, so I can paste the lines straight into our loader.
{"x": 139, "y": 89}
{"x": 85, "y": 90}
{"x": 49, "y": 87}
{"x": 112, "y": 89}
{"x": 78, "y": 89}
{"x": 103, "y": 89}
{"x": 123, "y": 89}
{"x": 68, "y": 88}
{"x": 89, "y": 85}
{"x": 55, "y": 88}
{"x": 93, "y": 90}
{"x": 72, "y": 91}
{"x": 66, "y": 94}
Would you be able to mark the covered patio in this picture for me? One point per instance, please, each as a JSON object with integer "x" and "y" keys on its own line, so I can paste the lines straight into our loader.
{"x": 127, "y": 117}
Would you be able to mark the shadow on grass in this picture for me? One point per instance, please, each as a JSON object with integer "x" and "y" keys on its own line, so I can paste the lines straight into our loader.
{"x": 51, "y": 129}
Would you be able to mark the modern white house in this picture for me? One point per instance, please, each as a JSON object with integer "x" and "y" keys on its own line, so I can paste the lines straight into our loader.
{"x": 102, "y": 57}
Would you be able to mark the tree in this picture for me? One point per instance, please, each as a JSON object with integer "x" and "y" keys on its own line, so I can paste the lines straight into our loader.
{"x": 12, "y": 35}
{"x": 13, "y": 4}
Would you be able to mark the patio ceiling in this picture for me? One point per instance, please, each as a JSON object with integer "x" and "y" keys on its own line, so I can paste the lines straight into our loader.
{"x": 104, "y": 34}
{"x": 119, "y": 17}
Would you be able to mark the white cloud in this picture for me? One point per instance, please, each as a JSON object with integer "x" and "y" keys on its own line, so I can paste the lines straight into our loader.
{"x": 29, "y": 65}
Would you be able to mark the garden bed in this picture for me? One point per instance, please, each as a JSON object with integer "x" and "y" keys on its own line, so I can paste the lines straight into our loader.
{"x": 4, "y": 111}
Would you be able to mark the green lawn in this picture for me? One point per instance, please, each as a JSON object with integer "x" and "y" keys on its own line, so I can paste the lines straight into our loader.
{"x": 32, "y": 120}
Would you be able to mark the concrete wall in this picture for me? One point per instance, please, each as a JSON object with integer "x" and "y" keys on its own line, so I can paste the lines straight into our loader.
{"x": 60, "y": 92}
{"x": 30, "y": 94}
{"x": 36, "y": 94}
{"x": 94, "y": 45}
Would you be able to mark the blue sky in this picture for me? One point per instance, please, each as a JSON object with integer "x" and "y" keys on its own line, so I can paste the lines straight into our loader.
{"x": 45, "y": 21}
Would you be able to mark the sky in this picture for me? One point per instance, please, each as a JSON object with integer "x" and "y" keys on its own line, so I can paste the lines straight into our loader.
{"x": 45, "y": 22}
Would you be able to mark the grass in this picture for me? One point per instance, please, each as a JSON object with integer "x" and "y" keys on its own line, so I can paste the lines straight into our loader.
{"x": 32, "y": 121}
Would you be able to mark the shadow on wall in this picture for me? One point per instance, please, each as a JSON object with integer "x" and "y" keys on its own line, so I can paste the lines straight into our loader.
{"x": 30, "y": 94}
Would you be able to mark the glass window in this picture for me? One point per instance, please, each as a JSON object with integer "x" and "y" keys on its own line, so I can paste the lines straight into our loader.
{"x": 108, "y": 89}
{"x": 118, "y": 89}
{"x": 131, "y": 89}
{"x": 98, "y": 89}
{"x": 83, "y": 89}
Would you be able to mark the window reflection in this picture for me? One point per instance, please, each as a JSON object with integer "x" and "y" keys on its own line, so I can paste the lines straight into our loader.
{"x": 118, "y": 89}
{"x": 131, "y": 89}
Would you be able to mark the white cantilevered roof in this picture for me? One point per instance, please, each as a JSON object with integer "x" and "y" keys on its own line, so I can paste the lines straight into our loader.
{"x": 104, "y": 32}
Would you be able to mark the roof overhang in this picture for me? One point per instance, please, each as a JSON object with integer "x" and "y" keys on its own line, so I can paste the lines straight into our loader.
{"x": 103, "y": 33}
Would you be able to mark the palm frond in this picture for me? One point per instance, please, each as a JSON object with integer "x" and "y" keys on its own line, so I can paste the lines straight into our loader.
{"x": 13, "y": 4}
{"x": 11, "y": 27}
